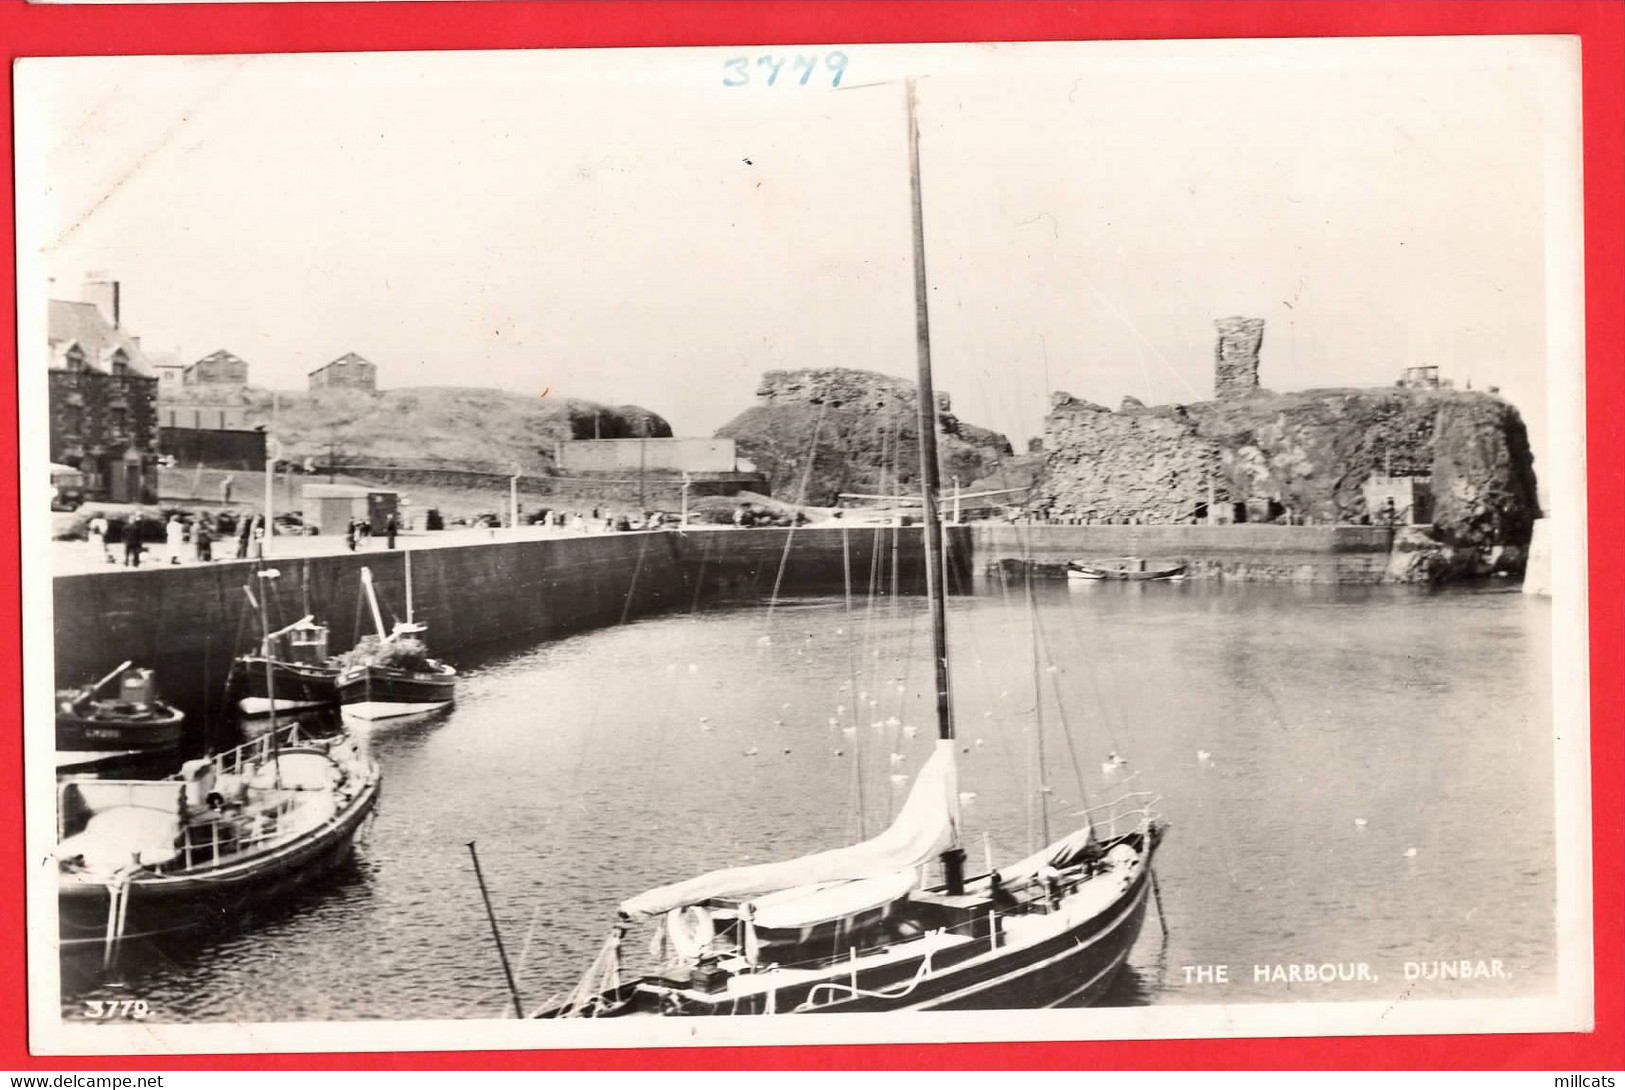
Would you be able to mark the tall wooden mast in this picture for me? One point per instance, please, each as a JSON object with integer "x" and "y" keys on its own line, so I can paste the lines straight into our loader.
{"x": 936, "y": 568}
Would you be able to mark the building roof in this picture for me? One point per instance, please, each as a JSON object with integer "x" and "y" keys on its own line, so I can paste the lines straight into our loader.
{"x": 347, "y": 358}
{"x": 219, "y": 355}
{"x": 71, "y": 323}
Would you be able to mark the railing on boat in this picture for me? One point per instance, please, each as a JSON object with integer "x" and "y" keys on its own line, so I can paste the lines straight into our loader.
{"x": 254, "y": 752}
{"x": 1128, "y": 813}
{"x": 265, "y": 825}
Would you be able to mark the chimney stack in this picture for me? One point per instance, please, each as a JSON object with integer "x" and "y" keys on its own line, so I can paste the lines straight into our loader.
{"x": 1235, "y": 359}
{"x": 101, "y": 289}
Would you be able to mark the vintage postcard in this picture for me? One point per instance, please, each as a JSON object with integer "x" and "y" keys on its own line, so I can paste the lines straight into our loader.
{"x": 804, "y": 544}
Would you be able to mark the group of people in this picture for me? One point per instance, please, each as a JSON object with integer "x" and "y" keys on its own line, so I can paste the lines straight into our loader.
{"x": 197, "y": 533}
{"x": 357, "y": 529}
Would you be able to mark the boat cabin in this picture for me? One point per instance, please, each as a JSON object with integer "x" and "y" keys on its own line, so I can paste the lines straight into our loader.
{"x": 303, "y": 642}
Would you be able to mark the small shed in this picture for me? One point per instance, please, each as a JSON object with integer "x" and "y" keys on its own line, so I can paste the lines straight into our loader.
{"x": 331, "y": 506}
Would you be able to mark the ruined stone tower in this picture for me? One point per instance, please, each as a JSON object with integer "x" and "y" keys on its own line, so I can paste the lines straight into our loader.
{"x": 1235, "y": 359}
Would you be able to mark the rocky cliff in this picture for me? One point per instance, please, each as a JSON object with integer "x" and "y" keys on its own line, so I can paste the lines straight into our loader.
{"x": 1306, "y": 456}
{"x": 835, "y": 430}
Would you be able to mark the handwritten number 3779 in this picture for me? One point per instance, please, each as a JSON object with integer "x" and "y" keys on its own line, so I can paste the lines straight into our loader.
{"x": 737, "y": 72}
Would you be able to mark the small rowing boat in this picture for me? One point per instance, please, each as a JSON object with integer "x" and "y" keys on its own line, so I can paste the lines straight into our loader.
{"x": 1130, "y": 568}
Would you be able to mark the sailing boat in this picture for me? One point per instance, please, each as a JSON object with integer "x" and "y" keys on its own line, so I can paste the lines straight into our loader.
{"x": 856, "y": 928}
{"x": 391, "y": 674}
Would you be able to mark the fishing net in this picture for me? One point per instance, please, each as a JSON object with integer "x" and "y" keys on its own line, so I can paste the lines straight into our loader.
{"x": 402, "y": 653}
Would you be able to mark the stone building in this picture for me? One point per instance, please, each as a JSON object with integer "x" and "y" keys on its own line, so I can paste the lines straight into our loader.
{"x": 348, "y": 372}
{"x": 218, "y": 368}
{"x": 103, "y": 398}
{"x": 1235, "y": 358}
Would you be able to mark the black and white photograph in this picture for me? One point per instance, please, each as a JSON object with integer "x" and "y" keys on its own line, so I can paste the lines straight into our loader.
{"x": 879, "y": 543}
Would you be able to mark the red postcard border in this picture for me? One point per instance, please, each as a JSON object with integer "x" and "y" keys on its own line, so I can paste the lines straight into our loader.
{"x": 103, "y": 29}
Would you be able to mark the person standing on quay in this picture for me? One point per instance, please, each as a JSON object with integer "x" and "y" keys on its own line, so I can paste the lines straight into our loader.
{"x": 391, "y": 528}
{"x": 132, "y": 542}
{"x": 97, "y": 531}
{"x": 245, "y": 529}
{"x": 349, "y": 534}
{"x": 174, "y": 538}
{"x": 203, "y": 540}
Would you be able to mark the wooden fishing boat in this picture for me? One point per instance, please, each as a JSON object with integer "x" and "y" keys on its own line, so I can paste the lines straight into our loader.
{"x": 139, "y": 858}
{"x": 300, "y": 670}
{"x": 1131, "y": 568}
{"x": 390, "y": 674}
{"x": 858, "y": 928}
{"x": 129, "y": 720}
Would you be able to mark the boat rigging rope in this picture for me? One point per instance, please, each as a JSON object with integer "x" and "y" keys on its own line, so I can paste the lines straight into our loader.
{"x": 1102, "y": 705}
{"x": 852, "y": 696}
{"x": 801, "y": 501}
{"x": 1162, "y": 925}
{"x": 118, "y": 906}
{"x": 637, "y": 570}
{"x": 1060, "y": 709}
{"x": 699, "y": 580}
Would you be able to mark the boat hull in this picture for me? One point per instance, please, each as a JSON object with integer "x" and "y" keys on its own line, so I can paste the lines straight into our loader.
{"x": 296, "y": 685}
{"x": 209, "y": 896}
{"x": 1074, "y": 965}
{"x": 1090, "y": 574}
{"x": 157, "y": 730}
{"x": 380, "y": 692}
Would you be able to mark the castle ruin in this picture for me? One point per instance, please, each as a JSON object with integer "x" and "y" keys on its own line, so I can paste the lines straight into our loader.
{"x": 1235, "y": 358}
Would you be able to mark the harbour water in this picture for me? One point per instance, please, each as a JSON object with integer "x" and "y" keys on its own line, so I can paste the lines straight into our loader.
{"x": 1352, "y": 776}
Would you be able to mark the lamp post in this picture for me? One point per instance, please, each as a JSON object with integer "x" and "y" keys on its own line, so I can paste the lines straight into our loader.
{"x": 273, "y": 455}
{"x": 513, "y": 498}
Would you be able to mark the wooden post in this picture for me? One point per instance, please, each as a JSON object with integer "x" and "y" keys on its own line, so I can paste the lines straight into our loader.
{"x": 496, "y": 933}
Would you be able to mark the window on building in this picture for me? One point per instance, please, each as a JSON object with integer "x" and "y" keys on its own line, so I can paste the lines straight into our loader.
{"x": 118, "y": 420}
{"x": 120, "y": 363}
{"x": 74, "y": 357}
{"x": 73, "y": 421}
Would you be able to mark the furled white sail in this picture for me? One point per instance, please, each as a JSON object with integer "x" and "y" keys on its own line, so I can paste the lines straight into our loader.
{"x": 924, "y": 828}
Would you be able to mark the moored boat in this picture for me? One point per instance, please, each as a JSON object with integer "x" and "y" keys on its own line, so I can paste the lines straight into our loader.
{"x": 139, "y": 858}
{"x": 1131, "y": 568}
{"x": 860, "y": 928}
{"x": 391, "y": 674}
{"x": 129, "y": 720}
{"x": 302, "y": 673}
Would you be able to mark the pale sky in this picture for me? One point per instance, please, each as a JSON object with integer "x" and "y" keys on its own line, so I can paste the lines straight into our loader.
{"x": 625, "y": 227}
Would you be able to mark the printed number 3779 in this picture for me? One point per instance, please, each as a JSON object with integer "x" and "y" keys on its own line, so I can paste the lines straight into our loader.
{"x": 737, "y": 71}
{"x": 116, "y": 1008}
